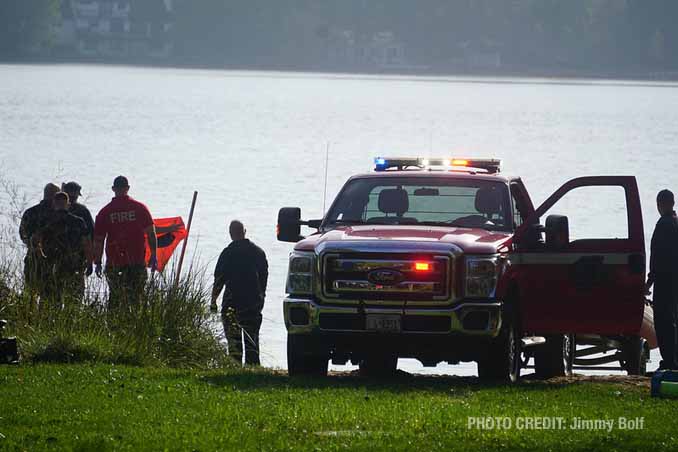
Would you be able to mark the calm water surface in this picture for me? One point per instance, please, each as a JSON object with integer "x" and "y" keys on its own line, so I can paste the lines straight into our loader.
{"x": 251, "y": 143}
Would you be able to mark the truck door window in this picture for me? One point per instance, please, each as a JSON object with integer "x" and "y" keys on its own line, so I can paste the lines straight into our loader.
{"x": 518, "y": 214}
{"x": 594, "y": 212}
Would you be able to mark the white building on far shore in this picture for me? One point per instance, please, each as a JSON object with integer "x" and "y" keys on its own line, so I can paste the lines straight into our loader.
{"x": 116, "y": 28}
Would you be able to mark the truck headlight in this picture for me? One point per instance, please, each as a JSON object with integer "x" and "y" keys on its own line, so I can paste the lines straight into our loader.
{"x": 300, "y": 274}
{"x": 482, "y": 274}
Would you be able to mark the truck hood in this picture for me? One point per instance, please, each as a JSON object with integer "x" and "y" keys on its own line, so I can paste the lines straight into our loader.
{"x": 407, "y": 238}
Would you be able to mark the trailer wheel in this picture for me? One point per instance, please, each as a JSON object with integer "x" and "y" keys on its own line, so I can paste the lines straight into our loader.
{"x": 555, "y": 357}
{"x": 504, "y": 359}
{"x": 635, "y": 352}
{"x": 304, "y": 358}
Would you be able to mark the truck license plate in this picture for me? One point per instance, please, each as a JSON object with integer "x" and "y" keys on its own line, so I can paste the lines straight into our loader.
{"x": 383, "y": 323}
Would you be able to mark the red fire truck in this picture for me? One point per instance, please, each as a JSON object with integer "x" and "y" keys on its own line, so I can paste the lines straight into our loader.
{"x": 448, "y": 260}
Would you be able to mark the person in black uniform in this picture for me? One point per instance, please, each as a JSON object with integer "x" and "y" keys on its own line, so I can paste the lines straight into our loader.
{"x": 242, "y": 270}
{"x": 66, "y": 247}
{"x": 664, "y": 276}
{"x": 35, "y": 218}
{"x": 73, "y": 190}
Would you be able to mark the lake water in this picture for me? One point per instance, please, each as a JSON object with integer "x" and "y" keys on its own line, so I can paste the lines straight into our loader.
{"x": 252, "y": 142}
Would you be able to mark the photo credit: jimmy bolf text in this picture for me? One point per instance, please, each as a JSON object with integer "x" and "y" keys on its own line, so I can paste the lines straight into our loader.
{"x": 554, "y": 423}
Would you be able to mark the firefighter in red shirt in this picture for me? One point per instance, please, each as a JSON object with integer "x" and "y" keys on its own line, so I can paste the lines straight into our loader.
{"x": 124, "y": 225}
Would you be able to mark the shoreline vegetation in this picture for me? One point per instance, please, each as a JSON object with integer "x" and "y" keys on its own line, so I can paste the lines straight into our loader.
{"x": 169, "y": 327}
{"x": 506, "y": 73}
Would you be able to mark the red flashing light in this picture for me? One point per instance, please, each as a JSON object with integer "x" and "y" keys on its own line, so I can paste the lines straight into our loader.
{"x": 422, "y": 266}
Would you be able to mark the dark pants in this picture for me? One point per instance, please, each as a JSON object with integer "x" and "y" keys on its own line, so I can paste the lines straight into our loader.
{"x": 69, "y": 286}
{"x": 64, "y": 288}
{"x": 125, "y": 286}
{"x": 665, "y": 321}
{"x": 242, "y": 325}
{"x": 37, "y": 275}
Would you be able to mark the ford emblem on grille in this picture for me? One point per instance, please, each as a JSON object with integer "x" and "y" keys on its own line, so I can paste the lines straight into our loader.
{"x": 385, "y": 277}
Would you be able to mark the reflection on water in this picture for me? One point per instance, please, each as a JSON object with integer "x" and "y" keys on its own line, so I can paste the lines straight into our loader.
{"x": 251, "y": 143}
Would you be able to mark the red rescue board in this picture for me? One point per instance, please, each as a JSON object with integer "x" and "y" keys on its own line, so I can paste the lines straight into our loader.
{"x": 167, "y": 241}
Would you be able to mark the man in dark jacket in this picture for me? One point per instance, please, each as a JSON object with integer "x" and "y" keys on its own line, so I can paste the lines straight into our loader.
{"x": 243, "y": 270}
{"x": 66, "y": 247}
{"x": 664, "y": 276}
{"x": 36, "y": 272}
{"x": 73, "y": 190}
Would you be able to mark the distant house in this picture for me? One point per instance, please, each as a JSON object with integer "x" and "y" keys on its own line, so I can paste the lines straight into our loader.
{"x": 381, "y": 50}
{"x": 384, "y": 50}
{"x": 341, "y": 47}
{"x": 117, "y": 29}
{"x": 478, "y": 55}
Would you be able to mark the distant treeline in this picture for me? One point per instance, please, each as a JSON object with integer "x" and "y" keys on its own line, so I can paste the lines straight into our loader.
{"x": 608, "y": 36}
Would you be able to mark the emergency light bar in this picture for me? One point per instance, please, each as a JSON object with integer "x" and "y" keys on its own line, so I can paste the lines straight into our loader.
{"x": 491, "y": 166}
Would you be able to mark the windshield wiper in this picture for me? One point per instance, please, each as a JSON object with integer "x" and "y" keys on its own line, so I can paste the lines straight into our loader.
{"x": 433, "y": 223}
{"x": 348, "y": 222}
{"x": 448, "y": 224}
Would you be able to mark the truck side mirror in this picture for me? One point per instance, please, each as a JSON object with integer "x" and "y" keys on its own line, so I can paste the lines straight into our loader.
{"x": 557, "y": 232}
{"x": 289, "y": 224}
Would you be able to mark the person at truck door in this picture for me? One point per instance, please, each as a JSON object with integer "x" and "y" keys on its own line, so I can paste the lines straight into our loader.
{"x": 66, "y": 247}
{"x": 36, "y": 271}
{"x": 664, "y": 277}
{"x": 124, "y": 224}
{"x": 242, "y": 270}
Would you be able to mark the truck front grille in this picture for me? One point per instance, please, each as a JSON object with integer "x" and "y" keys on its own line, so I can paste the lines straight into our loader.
{"x": 393, "y": 277}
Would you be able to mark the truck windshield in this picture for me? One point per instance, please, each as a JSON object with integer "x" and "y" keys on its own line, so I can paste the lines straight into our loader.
{"x": 423, "y": 201}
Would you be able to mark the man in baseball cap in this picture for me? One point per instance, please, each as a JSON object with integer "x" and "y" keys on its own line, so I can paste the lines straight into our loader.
{"x": 123, "y": 224}
{"x": 74, "y": 190}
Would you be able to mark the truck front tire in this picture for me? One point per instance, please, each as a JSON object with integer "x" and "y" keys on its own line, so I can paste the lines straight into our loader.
{"x": 379, "y": 365}
{"x": 304, "y": 358}
{"x": 504, "y": 358}
{"x": 555, "y": 357}
{"x": 636, "y": 353}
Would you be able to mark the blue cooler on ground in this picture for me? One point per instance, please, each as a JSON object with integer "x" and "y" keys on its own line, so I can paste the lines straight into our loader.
{"x": 665, "y": 384}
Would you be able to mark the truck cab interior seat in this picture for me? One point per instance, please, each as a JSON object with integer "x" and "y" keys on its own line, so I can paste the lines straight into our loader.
{"x": 393, "y": 203}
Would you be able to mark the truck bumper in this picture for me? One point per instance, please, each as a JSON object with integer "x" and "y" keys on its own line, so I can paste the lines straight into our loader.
{"x": 461, "y": 332}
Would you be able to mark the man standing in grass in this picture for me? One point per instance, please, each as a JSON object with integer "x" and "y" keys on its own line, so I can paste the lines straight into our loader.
{"x": 36, "y": 272}
{"x": 123, "y": 224}
{"x": 243, "y": 270}
{"x": 66, "y": 247}
{"x": 664, "y": 276}
{"x": 73, "y": 190}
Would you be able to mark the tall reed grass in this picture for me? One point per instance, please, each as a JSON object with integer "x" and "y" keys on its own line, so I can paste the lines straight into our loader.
{"x": 169, "y": 326}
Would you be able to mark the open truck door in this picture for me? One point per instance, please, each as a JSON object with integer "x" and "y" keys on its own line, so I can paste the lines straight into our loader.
{"x": 589, "y": 283}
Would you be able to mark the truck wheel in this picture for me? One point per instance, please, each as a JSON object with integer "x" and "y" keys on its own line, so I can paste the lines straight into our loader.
{"x": 304, "y": 358}
{"x": 555, "y": 357}
{"x": 635, "y": 354}
{"x": 379, "y": 365}
{"x": 504, "y": 359}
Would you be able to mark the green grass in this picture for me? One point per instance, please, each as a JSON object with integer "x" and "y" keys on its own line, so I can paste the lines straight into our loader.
{"x": 104, "y": 407}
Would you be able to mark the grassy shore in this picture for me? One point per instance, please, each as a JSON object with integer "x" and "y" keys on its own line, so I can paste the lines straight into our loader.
{"x": 105, "y": 407}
